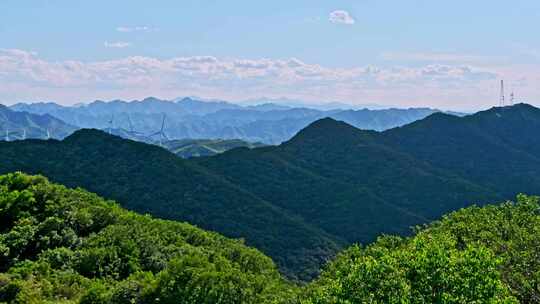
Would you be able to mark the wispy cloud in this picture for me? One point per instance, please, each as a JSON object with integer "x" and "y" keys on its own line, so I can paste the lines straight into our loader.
{"x": 117, "y": 44}
{"x": 25, "y": 74}
{"x": 128, "y": 29}
{"x": 341, "y": 17}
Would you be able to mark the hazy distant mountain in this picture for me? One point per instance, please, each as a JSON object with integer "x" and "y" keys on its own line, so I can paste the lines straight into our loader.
{"x": 323, "y": 106}
{"x": 269, "y": 107}
{"x": 19, "y": 125}
{"x": 269, "y": 123}
{"x": 380, "y": 120}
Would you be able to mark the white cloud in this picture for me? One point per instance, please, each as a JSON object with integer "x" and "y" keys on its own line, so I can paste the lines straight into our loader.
{"x": 341, "y": 17}
{"x": 25, "y": 75}
{"x": 117, "y": 44}
{"x": 127, "y": 29}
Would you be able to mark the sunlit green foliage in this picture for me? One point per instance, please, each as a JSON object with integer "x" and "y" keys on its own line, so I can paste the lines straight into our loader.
{"x": 62, "y": 245}
{"x": 475, "y": 255}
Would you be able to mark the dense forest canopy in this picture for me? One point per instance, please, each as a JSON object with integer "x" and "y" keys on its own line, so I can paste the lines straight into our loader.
{"x": 60, "y": 245}
{"x": 65, "y": 246}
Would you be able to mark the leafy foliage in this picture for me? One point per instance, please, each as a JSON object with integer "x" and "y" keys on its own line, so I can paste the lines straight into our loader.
{"x": 61, "y": 245}
{"x": 475, "y": 255}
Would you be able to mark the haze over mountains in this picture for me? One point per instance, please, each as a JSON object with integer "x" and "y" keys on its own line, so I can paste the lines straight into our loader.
{"x": 267, "y": 123}
{"x": 15, "y": 125}
{"x": 330, "y": 185}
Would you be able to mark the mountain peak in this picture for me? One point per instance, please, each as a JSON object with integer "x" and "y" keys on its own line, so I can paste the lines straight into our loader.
{"x": 327, "y": 130}
{"x": 521, "y": 111}
{"x": 88, "y": 134}
{"x": 152, "y": 99}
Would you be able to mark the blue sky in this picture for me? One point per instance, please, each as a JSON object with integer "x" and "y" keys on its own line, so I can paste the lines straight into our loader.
{"x": 447, "y": 54}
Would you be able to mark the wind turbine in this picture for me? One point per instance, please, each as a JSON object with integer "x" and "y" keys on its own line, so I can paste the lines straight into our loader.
{"x": 161, "y": 132}
{"x": 7, "y": 134}
{"x": 48, "y": 134}
{"x": 132, "y": 130}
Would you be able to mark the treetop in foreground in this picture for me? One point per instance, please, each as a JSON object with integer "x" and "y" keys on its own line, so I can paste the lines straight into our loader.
{"x": 59, "y": 245}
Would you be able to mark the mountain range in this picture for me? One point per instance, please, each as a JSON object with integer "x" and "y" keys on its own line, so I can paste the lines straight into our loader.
{"x": 16, "y": 125}
{"x": 188, "y": 118}
{"x": 330, "y": 185}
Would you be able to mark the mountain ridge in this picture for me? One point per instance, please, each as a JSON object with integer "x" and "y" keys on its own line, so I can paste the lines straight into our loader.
{"x": 20, "y": 125}
{"x": 191, "y": 118}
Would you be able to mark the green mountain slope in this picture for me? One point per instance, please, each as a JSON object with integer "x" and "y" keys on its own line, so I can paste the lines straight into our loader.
{"x": 64, "y": 246}
{"x": 345, "y": 181}
{"x": 188, "y": 148}
{"x": 146, "y": 178}
{"x": 499, "y": 148}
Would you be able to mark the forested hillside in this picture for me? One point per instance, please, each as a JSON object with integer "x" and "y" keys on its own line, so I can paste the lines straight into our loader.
{"x": 60, "y": 245}
{"x": 70, "y": 246}
{"x": 329, "y": 186}
{"x": 150, "y": 179}
{"x": 499, "y": 148}
{"x": 474, "y": 255}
